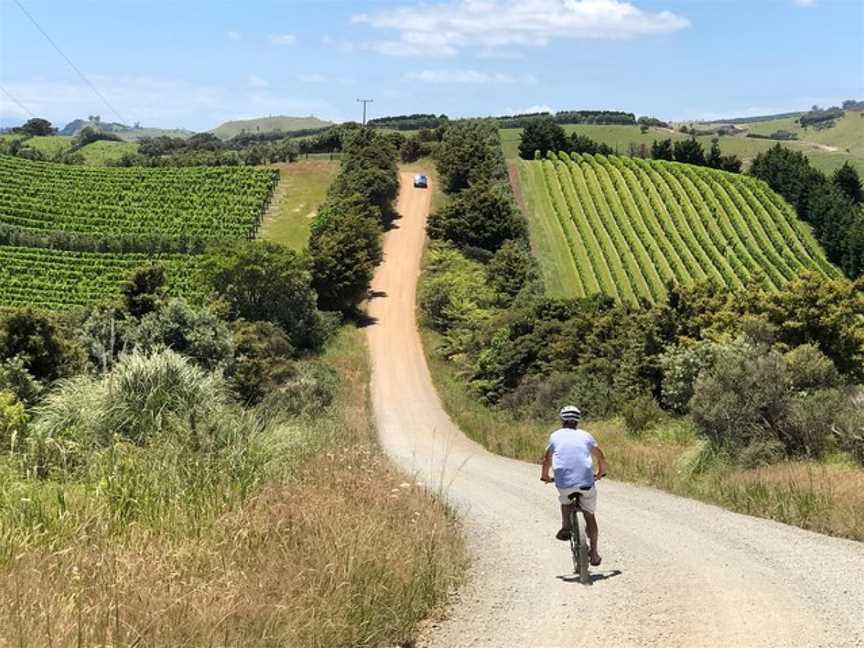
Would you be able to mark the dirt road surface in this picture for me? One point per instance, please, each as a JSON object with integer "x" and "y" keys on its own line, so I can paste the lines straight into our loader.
{"x": 675, "y": 572}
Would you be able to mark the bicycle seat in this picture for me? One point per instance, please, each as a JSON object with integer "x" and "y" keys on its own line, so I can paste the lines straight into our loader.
{"x": 583, "y": 490}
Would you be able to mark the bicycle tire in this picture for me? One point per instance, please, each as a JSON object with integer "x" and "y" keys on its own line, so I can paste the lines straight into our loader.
{"x": 575, "y": 539}
{"x": 584, "y": 575}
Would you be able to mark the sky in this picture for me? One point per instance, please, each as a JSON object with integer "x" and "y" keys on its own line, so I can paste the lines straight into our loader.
{"x": 194, "y": 64}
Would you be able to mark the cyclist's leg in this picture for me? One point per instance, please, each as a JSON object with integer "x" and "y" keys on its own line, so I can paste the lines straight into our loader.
{"x": 593, "y": 533}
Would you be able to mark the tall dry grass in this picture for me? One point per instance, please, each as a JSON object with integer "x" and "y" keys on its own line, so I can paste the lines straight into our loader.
{"x": 331, "y": 546}
{"x": 823, "y": 497}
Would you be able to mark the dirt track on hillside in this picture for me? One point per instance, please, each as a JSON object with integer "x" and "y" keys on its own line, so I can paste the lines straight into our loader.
{"x": 675, "y": 573}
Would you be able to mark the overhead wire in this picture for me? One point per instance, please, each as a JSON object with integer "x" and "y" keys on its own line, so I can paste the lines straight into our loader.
{"x": 84, "y": 78}
{"x": 17, "y": 103}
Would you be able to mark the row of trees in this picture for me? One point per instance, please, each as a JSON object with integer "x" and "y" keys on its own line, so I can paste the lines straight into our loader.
{"x": 831, "y": 205}
{"x": 345, "y": 243}
{"x": 691, "y": 152}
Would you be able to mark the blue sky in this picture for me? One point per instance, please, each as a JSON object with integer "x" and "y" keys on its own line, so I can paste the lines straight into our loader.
{"x": 194, "y": 64}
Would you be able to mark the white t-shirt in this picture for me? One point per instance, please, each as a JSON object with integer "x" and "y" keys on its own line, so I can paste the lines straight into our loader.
{"x": 571, "y": 458}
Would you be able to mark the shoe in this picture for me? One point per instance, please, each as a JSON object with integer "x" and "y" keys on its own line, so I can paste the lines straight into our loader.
{"x": 563, "y": 534}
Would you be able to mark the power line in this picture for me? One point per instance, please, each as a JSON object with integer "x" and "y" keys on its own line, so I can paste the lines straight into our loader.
{"x": 18, "y": 103}
{"x": 71, "y": 64}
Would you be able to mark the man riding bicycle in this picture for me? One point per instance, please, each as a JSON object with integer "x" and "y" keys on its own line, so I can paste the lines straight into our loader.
{"x": 571, "y": 453}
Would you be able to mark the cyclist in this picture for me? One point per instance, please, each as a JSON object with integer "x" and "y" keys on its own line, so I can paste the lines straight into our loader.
{"x": 572, "y": 454}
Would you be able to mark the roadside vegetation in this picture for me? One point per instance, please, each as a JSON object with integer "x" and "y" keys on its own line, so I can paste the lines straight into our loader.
{"x": 203, "y": 470}
{"x": 749, "y": 398}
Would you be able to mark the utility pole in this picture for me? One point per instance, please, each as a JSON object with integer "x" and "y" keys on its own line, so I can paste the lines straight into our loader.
{"x": 364, "y": 102}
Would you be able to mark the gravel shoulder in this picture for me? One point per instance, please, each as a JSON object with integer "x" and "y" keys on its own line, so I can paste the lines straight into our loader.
{"x": 675, "y": 572}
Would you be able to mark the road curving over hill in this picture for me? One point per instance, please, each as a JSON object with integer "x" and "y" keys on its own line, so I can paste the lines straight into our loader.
{"x": 675, "y": 573}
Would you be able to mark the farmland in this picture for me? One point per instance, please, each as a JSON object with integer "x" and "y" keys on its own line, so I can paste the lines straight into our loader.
{"x": 209, "y": 203}
{"x": 813, "y": 144}
{"x": 59, "y": 279}
{"x": 114, "y": 209}
{"x": 627, "y": 227}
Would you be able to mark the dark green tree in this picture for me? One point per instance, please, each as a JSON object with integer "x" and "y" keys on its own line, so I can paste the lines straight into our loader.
{"x": 144, "y": 290}
{"x": 849, "y": 182}
{"x": 262, "y": 281}
{"x": 35, "y": 339}
{"x": 662, "y": 150}
{"x": 509, "y": 269}
{"x": 470, "y": 151}
{"x": 715, "y": 155}
{"x": 541, "y": 134}
{"x": 482, "y": 216}
{"x": 344, "y": 248}
{"x": 37, "y": 127}
{"x": 689, "y": 152}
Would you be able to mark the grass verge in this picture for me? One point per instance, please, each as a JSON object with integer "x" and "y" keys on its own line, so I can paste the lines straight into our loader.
{"x": 328, "y": 545}
{"x": 821, "y": 496}
{"x": 302, "y": 188}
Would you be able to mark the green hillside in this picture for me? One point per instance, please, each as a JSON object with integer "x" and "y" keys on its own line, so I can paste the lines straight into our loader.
{"x": 268, "y": 124}
{"x": 621, "y": 137}
{"x": 625, "y": 227}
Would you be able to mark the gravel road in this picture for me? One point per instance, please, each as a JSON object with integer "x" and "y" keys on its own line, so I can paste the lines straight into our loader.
{"x": 675, "y": 572}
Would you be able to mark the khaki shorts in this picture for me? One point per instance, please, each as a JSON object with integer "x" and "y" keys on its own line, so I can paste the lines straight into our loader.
{"x": 588, "y": 501}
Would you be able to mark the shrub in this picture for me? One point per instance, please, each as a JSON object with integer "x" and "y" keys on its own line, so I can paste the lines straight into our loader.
{"x": 810, "y": 369}
{"x": 13, "y": 421}
{"x": 539, "y": 397}
{"x": 309, "y": 390}
{"x": 105, "y": 334}
{"x": 740, "y": 398}
{"x": 640, "y": 414}
{"x": 261, "y": 360}
{"x": 681, "y": 365}
{"x": 15, "y": 379}
{"x": 192, "y": 332}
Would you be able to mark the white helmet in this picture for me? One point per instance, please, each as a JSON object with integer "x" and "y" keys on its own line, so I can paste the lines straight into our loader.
{"x": 570, "y": 414}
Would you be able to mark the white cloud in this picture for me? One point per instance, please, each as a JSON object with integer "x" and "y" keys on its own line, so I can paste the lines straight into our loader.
{"x": 444, "y": 29}
{"x": 543, "y": 108}
{"x": 312, "y": 78}
{"x": 258, "y": 82}
{"x": 283, "y": 39}
{"x": 169, "y": 103}
{"x": 463, "y": 76}
{"x": 804, "y": 3}
{"x": 234, "y": 36}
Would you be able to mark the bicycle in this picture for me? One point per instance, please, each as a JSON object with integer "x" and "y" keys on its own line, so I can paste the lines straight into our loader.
{"x": 578, "y": 536}
{"x": 578, "y": 540}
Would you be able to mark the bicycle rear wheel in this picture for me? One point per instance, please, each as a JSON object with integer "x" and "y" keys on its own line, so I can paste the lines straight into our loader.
{"x": 579, "y": 547}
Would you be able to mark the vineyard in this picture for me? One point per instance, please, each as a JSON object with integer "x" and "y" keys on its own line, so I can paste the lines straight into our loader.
{"x": 58, "y": 208}
{"x": 627, "y": 227}
{"x": 57, "y": 279}
{"x": 207, "y": 203}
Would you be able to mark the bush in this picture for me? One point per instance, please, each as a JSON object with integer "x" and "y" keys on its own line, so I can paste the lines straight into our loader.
{"x": 509, "y": 270}
{"x": 15, "y": 379}
{"x": 144, "y": 290}
{"x": 13, "y": 421}
{"x": 810, "y": 369}
{"x": 541, "y": 134}
{"x": 309, "y": 390}
{"x": 35, "y": 339}
{"x": 540, "y": 398}
{"x": 105, "y": 334}
{"x": 260, "y": 281}
{"x": 681, "y": 366}
{"x": 192, "y": 332}
{"x": 482, "y": 215}
{"x": 640, "y": 414}
{"x": 261, "y": 360}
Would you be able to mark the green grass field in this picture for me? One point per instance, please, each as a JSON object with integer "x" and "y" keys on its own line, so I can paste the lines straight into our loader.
{"x": 100, "y": 153}
{"x": 302, "y": 187}
{"x": 620, "y": 138}
{"x": 626, "y": 228}
{"x": 50, "y": 144}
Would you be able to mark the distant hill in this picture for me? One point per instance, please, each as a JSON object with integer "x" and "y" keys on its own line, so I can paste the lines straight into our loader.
{"x": 126, "y": 132}
{"x": 267, "y": 125}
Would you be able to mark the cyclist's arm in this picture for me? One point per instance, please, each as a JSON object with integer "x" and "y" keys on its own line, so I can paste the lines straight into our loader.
{"x": 547, "y": 464}
{"x": 599, "y": 461}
